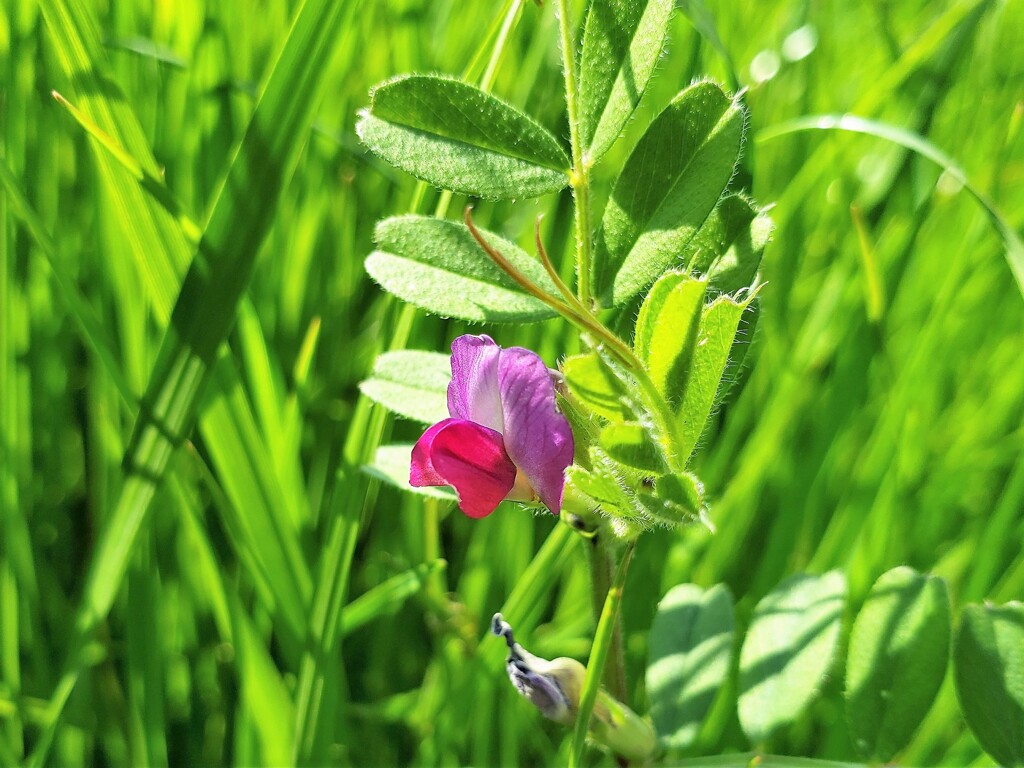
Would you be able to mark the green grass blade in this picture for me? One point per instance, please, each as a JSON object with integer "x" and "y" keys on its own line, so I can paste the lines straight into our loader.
{"x": 225, "y": 436}
{"x": 91, "y": 331}
{"x": 206, "y": 307}
{"x": 926, "y": 149}
{"x": 265, "y": 696}
{"x": 228, "y": 428}
{"x": 145, "y": 662}
{"x": 324, "y": 623}
{"x": 153, "y": 185}
{"x": 259, "y": 674}
{"x": 599, "y": 655}
{"x": 538, "y": 577}
{"x": 156, "y": 241}
{"x": 387, "y": 597}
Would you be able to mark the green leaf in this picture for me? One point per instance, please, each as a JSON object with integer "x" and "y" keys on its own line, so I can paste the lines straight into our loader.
{"x": 666, "y": 331}
{"x": 652, "y": 303}
{"x": 988, "y": 659}
{"x": 670, "y": 184}
{"x": 585, "y": 425}
{"x": 595, "y": 386}
{"x": 632, "y": 445}
{"x": 899, "y": 648}
{"x": 438, "y": 266}
{"x": 455, "y": 136}
{"x": 729, "y": 247}
{"x": 682, "y": 497}
{"x": 410, "y": 383}
{"x": 689, "y": 654}
{"x": 643, "y": 404}
{"x": 631, "y": 498}
{"x": 741, "y": 344}
{"x": 788, "y": 650}
{"x": 758, "y": 760}
{"x": 613, "y": 487}
{"x": 391, "y": 465}
{"x": 733, "y": 241}
{"x": 621, "y": 45}
{"x": 598, "y": 486}
{"x": 725, "y": 224}
{"x": 737, "y": 268}
{"x": 715, "y": 337}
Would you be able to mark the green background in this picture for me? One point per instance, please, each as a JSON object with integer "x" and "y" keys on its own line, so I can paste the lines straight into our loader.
{"x": 877, "y": 420}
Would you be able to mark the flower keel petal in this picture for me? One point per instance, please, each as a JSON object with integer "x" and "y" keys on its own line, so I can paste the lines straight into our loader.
{"x": 472, "y": 459}
{"x": 421, "y": 469}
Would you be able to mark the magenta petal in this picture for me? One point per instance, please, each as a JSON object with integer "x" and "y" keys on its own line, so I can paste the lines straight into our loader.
{"x": 468, "y": 457}
{"x": 537, "y": 437}
{"x": 473, "y": 392}
{"x": 421, "y": 470}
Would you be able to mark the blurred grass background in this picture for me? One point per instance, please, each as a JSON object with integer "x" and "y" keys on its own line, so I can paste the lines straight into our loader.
{"x": 877, "y": 420}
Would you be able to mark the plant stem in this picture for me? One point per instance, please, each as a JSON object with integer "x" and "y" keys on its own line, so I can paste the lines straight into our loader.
{"x": 584, "y": 257}
{"x": 573, "y": 310}
{"x": 580, "y": 175}
{"x": 601, "y": 563}
{"x": 599, "y": 655}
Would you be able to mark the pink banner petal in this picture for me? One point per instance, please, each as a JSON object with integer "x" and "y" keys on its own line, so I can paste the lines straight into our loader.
{"x": 473, "y": 392}
{"x": 537, "y": 436}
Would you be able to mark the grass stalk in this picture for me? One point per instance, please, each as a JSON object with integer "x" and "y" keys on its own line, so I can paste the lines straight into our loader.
{"x": 601, "y": 650}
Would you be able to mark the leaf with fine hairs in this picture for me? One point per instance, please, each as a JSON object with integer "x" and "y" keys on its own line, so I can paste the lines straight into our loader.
{"x": 670, "y": 184}
{"x": 455, "y": 136}
{"x": 438, "y": 266}
{"x": 622, "y": 42}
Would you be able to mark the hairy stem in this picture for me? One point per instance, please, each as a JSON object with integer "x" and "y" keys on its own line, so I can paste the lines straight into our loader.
{"x": 580, "y": 176}
{"x": 601, "y": 569}
{"x": 573, "y": 310}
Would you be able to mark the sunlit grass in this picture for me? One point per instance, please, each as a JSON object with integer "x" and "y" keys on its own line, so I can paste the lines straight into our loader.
{"x": 877, "y": 420}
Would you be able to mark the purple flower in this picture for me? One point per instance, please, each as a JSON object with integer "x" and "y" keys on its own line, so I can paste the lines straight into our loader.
{"x": 505, "y": 438}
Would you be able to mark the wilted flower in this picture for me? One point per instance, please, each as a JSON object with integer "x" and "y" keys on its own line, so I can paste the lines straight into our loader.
{"x": 505, "y": 439}
{"x": 554, "y": 687}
